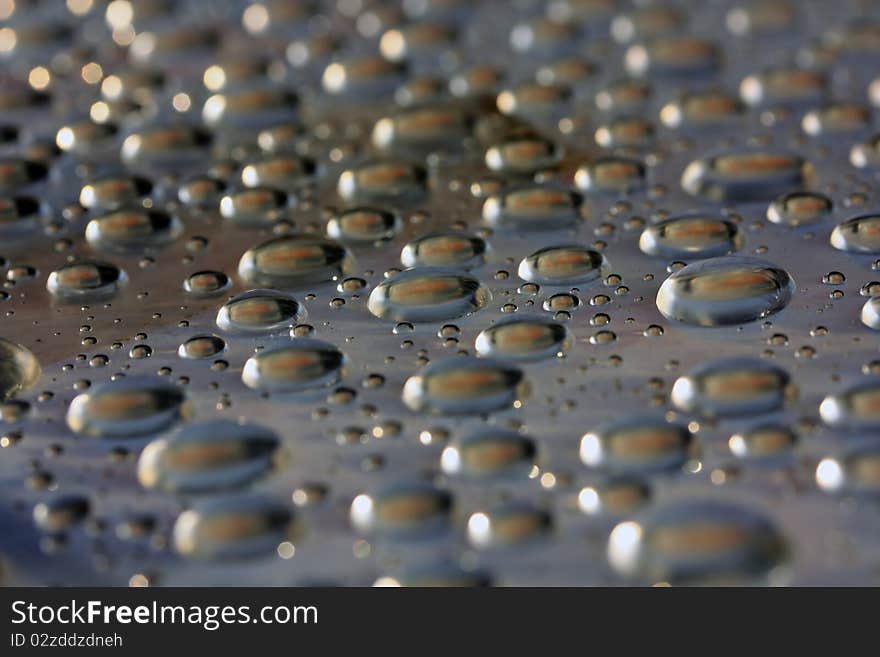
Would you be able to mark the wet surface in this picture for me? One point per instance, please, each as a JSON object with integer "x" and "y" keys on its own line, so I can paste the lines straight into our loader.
{"x": 578, "y": 292}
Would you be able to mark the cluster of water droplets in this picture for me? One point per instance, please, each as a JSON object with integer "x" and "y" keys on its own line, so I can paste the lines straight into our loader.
{"x": 434, "y": 292}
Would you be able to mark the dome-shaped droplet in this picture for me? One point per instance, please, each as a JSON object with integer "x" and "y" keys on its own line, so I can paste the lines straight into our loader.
{"x": 133, "y": 231}
{"x": 611, "y": 174}
{"x": 365, "y": 78}
{"x": 731, "y": 387}
{"x": 866, "y": 154}
{"x": 284, "y": 172}
{"x": 692, "y": 236}
{"x": 16, "y": 173}
{"x": 763, "y": 443}
{"x": 783, "y": 87}
{"x": 444, "y": 249}
{"x": 114, "y": 192}
{"x": 402, "y": 511}
{"x": 699, "y": 541}
{"x": 19, "y": 218}
{"x": 856, "y": 408}
{"x": 421, "y": 130}
{"x": 165, "y": 146}
{"x": 382, "y": 181}
{"x": 522, "y": 155}
{"x": 637, "y": 445}
{"x": 249, "y": 109}
{"x": 427, "y": 294}
{"x": 129, "y": 407}
{"x": 858, "y": 235}
{"x": 532, "y": 208}
{"x": 80, "y": 281}
{"x": 259, "y": 311}
{"x": 254, "y": 207}
{"x": 293, "y": 260}
{"x": 201, "y": 346}
{"x": 233, "y": 527}
{"x": 296, "y": 366}
{"x": 61, "y": 513}
{"x": 491, "y": 452}
{"x": 673, "y": 56}
{"x": 854, "y": 472}
{"x": 702, "y": 111}
{"x": 208, "y": 456}
{"x": 207, "y": 283}
{"x": 463, "y": 386}
{"x": 562, "y": 265}
{"x": 523, "y": 339}
{"x": 614, "y": 496}
{"x": 19, "y": 368}
{"x": 746, "y": 177}
{"x": 836, "y": 119}
{"x": 799, "y": 208}
{"x": 515, "y": 523}
{"x": 725, "y": 291}
{"x": 363, "y": 224}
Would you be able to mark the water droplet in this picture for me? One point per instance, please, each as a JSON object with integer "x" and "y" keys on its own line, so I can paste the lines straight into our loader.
{"x": 532, "y": 208}
{"x": 129, "y": 407}
{"x": 206, "y": 283}
{"x": 637, "y": 445}
{"x": 201, "y": 346}
{"x": 113, "y": 193}
{"x": 254, "y": 207}
{"x": 725, "y": 291}
{"x": 732, "y": 386}
{"x": 427, "y": 294}
{"x": 523, "y": 155}
{"x": 528, "y": 339}
{"x": 61, "y": 513}
{"x": 699, "y": 541}
{"x": 855, "y": 472}
{"x": 488, "y": 453}
{"x": 615, "y": 496}
{"x": 858, "y": 235}
{"x": 444, "y": 249}
{"x": 87, "y": 280}
{"x": 611, "y": 174}
{"x": 19, "y": 369}
{"x": 260, "y": 311}
{"x": 382, "y": 181}
{"x": 293, "y": 260}
{"x": 746, "y": 177}
{"x": 764, "y": 443}
{"x": 562, "y": 265}
{"x": 402, "y": 511}
{"x": 507, "y": 525}
{"x": 463, "y": 386}
{"x": 799, "y": 208}
{"x": 690, "y": 236}
{"x": 233, "y": 527}
{"x": 856, "y": 408}
{"x": 208, "y": 456}
{"x": 133, "y": 231}
{"x": 363, "y": 225}
{"x": 294, "y": 367}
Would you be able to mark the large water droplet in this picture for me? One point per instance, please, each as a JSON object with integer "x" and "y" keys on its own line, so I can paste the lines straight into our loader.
{"x": 427, "y": 294}
{"x": 233, "y": 527}
{"x": 444, "y": 249}
{"x": 856, "y": 408}
{"x": 858, "y": 235}
{"x": 524, "y": 339}
{"x": 293, "y": 260}
{"x": 532, "y": 208}
{"x": 294, "y": 367}
{"x": 855, "y": 472}
{"x": 259, "y": 311}
{"x": 129, "y": 407}
{"x": 725, "y": 291}
{"x": 562, "y": 265}
{"x": 690, "y": 236}
{"x": 463, "y": 386}
{"x": 19, "y": 369}
{"x": 402, "y": 511}
{"x": 697, "y": 542}
{"x": 133, "y": 231}
{"x": 491, "y": 452}
{"x": 637, "y": 445}
{"x": 746, "y": 177}
{"x": 732, "y": 386}
{"x": 511, "y": 524}
{"x": 208, "y": 456}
